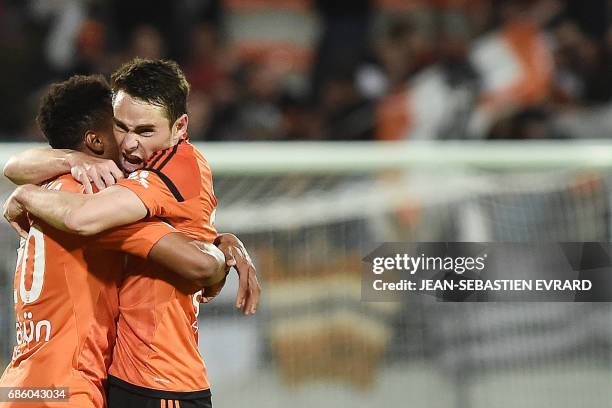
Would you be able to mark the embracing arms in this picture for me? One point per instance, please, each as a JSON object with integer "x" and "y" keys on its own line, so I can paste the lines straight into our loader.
{"x": 200, "y": 263}
{"x": 90, "y": 214}
{"x": 81, "y": 214}
{"x": 87, "y": 215}
{"x": 37, "y": 165}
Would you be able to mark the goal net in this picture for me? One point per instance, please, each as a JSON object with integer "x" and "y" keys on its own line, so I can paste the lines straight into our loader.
{"x": 308, "y": 213}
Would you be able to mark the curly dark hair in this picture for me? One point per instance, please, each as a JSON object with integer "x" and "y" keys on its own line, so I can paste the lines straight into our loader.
{"x": 158, "y": 82}
{"x": 71, "y": 108}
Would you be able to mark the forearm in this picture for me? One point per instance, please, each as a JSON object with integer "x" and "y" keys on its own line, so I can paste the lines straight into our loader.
{"x": 110, "y": 208}
{"x": 37, "y": 165}
{"x": 53, "y": 207}
{"x": 200, "y": 263}
{"x": 81, "y": 214}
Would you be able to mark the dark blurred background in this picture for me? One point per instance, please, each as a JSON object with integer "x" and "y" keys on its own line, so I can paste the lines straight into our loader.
{"x": 331, "y": 69}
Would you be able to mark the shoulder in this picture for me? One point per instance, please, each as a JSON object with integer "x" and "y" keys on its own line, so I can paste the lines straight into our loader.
{"x": 178, "y": 168}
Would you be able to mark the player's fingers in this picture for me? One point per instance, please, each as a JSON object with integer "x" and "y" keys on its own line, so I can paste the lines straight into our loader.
{"x": 86, "y": 184}
{"x": 248, "y": 304}
{"x": 242, "y": 285}
{"x": 107, "y": 178}
{"x": 115, "y": 171}
{"x": 95, "y": 177}
{"x": 248, "y": 298}
{"x": 244, "y": 266}
{"x": 82, "y": 178}
{"x": 254, "y": 292}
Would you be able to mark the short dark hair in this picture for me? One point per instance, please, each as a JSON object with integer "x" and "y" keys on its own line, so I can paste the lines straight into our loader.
{"x": 71, "y": 108}
{"x": 158, "y": 82}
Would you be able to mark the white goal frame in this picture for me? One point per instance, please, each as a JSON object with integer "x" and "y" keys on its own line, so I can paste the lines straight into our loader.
{"x": 265, "y": 158}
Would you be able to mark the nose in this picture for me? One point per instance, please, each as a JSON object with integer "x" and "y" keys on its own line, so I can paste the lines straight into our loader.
{"x": 130, "y": 142}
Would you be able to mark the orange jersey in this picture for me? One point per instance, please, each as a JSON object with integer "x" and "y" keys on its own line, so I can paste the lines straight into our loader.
{"x": 66, "y": 306}
{"x": 157, "y": 342}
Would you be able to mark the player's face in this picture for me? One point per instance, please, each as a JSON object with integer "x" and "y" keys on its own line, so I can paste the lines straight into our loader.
{"x": 141, "y": 129}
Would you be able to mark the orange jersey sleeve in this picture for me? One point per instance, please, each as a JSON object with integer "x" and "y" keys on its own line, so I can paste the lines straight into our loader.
{"x": 159, "y": 189}
{"x": 135, "y": 239}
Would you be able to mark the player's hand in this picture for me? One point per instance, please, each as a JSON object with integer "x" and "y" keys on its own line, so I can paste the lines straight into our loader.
{"x": 237, "y": 256}
{"x": 15, "y": 213}
{"x": 210, "y": 292}
{"x": 87, "y": 170}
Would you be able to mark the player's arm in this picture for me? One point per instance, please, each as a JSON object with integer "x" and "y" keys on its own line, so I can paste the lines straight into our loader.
{"x": 200, "y": 263}
{"x": 36, "y": 165}
{"x": 76, "y": 213}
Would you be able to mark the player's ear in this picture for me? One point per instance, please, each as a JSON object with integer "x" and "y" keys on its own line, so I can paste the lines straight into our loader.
{"x": 94, "y": 142}
{"x": 180, "y": 126}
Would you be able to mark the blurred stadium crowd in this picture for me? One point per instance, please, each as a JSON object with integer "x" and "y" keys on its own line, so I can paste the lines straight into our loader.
{"x": 332, "y": 69}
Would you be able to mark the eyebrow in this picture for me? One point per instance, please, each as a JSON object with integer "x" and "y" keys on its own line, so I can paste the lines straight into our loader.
{"x": 119, "y": 123}
{"x": 139, "y": 128}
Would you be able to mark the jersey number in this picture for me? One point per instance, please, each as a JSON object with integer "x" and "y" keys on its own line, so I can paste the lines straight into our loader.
{"x": 36, "y": 266}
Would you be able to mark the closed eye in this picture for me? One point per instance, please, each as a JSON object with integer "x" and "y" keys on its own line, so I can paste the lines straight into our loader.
{"x": 145, "y": 131}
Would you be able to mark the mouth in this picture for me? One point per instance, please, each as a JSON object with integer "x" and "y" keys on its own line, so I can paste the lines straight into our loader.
{"x": 131, "y": 162}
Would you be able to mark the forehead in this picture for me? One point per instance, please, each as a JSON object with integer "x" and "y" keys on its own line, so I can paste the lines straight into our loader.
{"x": 133, "y": 111}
